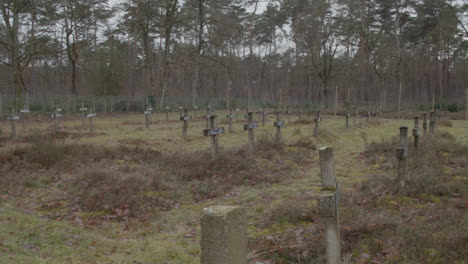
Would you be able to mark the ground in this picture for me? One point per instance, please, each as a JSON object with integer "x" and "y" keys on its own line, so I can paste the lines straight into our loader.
{"x": 45, "y": 217}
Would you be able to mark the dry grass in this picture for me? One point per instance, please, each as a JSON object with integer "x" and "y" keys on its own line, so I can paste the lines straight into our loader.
{"x": 444, "y": 123}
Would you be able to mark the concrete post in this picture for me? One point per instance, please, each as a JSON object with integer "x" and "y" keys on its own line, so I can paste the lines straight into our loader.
{"x": 185, "y": 126}
{"x": 224, "y": 235}
{"x": 327, "y": 168}
{"x": 12, "y": 123}
{"x": 251, "y": 135}
{"x": 355, "y": 116}
{"x": 214, "y": 138}
{"x": 328, "y": 205}
{"x": 402, "y": 153}
{"x": 432, "y": 120}
{"x": 278, "y": 126}
{"x": 404, "y": 137}
{"x": 230, "y": 121}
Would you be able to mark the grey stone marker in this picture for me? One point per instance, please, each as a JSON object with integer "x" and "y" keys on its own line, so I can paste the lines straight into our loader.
{"x": 250, "y": 127}
{"x": 432, "y": 120}
{"x": 263, "y": 116}
{"x": 288, "y": 112}
{"x": 230, "y": 116}
{"x": 278, "y": 124}
{"x": 185, "y": 118}
{"x": 328, "y": 205}
{"x": 424, "y": 125}
{"x": 347, "y": 119}
{"x": 224, "y": 236}
{"x": 416, "y": 133}
{"x": 317, "y": 123}
{"x": 402, "y": 153}
{"x": 213, "y": 132}
{"x": 13, "y": 117}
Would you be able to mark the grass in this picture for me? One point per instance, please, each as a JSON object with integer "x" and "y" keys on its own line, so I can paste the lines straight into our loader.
{"x": 49, "y": 195}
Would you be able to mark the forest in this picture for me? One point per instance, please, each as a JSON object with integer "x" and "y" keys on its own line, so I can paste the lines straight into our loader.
{"x": 382, "y": 53}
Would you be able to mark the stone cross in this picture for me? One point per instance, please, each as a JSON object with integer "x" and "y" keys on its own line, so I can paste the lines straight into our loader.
{"x": 230, "y": 116}
{"x": 278, "y": 124}
{"x": 224, "y": 236}
{"x": 213, "y": 132}
{"x": 55, "y": 116}
{"x": 347, "y": 119}
{"x": 185, "y": 118}
{"x": 416, "y": 133}
{"x": 13, "y": 117}
{"x": 402, "y": 153}
{"x": 317, "y": 122}
{"x": 91, "y": 116}
{"x": 250, "y": 127}
{"x": 329, "y": 203}
{"x": 424, "y": 125}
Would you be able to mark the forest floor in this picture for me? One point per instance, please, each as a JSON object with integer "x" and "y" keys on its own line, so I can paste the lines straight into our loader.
{"x": 128, "y": 194}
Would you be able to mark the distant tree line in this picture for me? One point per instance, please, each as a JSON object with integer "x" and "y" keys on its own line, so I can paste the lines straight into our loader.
{"x": 359, "y": 52}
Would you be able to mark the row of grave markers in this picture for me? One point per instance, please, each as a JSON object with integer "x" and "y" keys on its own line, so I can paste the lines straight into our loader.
{"x": 402, "y": 150}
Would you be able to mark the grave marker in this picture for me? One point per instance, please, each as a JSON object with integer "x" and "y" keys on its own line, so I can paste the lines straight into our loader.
{"x": 147, "y": 114}
{"x": 424, "y": 125}
{"x": 317, "y": 122}
{"x": 195, "y": 108}
{"x": 402, "y": 153}
{"x": 55, "y": 116}
{"x": 432, "y": 120}
{"x": 185, "y": 118}
{"x": 224, "y": 236}
{"x": 208, "y": 116}
{"x": 91, "y": 116}
{"x": 250, "y": 127}
{"x": 84, "y": 111}
{"x": 288, "y": 112}
{"x": 329, "y": 204}
{"x": 416, "y": 133}
{"x": 13, "y": 117}
{"x": 278, "y": 124}
{"x": 167, "y": 108}
{"x": 263, "y": 116}
{"x": 214, "y": 133}
{"x": 355, "y": 116}
{"x": 347, "y": 119}
{"x": 230, "y": 116}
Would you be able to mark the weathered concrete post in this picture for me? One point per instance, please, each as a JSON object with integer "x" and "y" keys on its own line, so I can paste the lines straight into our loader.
{"x": 278, "y": 124}
{"x": 317, "y": 123}
{"x": 402, "y": 153}
{"x": 250, "y": 127}
{"x": 56, "y": 115}
{"x": 416, "y": 133}
{"x": 432, "y": 120}
{"x": 288, "y": 112}
{"x": 185, "y": 118}
{"x": 224, "y": 235}
{"x": 424, "y": 125}
{"x": 328, "y": 205}
{"x": 207, "y": 116}
{"x": 195, "y": 108}
{"x": 147, "y": 114}
{"x": 213, "y": 132}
